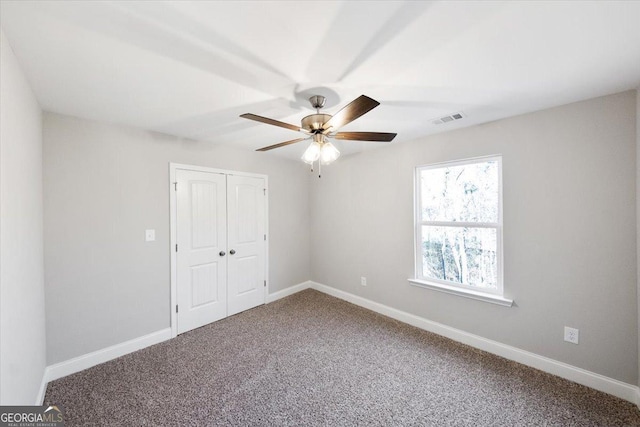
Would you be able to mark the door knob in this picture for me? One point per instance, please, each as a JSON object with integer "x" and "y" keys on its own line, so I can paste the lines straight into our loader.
{"x": 222, "y": 253}
{"x": 232, "y": 251}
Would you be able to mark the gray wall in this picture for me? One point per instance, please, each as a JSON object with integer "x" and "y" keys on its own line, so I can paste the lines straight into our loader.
{"x": 106, "y": 184}
{"x": 569, "y": 249}
{"x": 22, "y": 316}
{"x": 569, "y": 174}
{"x": 638, "y": 215}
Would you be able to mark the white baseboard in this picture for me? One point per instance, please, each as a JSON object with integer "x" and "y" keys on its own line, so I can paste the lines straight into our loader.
{"x": 86, "y": 361}
{"x": 80, "y": 363}
{"x": 599, "y": 382}
{"x": 288, "y": 291}
{"x": 43, "y": 388}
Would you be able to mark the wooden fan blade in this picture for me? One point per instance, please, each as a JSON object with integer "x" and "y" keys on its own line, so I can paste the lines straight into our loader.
{"x": 366, "y": 136}
{"x": 270, "y": 121}
{"x": 282, "y": 144}
{"x": 361, "y": 105}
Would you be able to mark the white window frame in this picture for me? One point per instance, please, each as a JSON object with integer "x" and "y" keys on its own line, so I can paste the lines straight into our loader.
{"x": 488, "y": 295}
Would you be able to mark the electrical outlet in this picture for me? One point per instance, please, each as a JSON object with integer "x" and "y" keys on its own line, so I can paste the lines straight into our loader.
{"x": 571, "y": 335}
{"x": 363, "y": 281}
{"x": 149, "y": 235}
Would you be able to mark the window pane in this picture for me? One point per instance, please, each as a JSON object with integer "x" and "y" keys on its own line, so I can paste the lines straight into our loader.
{"x": 460, "y": 255}
{"x": 466, "y": 193}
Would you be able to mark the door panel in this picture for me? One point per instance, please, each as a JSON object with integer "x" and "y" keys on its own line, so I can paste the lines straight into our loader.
{"x": 246, "y": 201}
{"x": 246, "y": 236}
{"x": 201, "y": 235}
{"x": 204, "y": 196}
{"x": 204, "y": 287}
{"x": 248, "y": 274}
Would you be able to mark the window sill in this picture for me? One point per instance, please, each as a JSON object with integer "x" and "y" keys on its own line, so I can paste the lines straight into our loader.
{"x": 480, "y": 296}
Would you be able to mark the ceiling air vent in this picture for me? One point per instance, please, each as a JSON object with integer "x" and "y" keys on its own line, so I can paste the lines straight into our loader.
{"x": 450, "y": 118}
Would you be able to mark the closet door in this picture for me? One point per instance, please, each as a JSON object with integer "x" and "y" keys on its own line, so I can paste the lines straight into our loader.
{"x": 201, "y": 253}
{"x": 246, "y": 242}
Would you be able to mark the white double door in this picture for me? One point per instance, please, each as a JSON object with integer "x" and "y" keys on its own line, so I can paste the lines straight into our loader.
{"x": 221, "y": 246}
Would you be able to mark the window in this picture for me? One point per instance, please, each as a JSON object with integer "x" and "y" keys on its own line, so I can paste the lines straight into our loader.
{"x": 458, "y": 226}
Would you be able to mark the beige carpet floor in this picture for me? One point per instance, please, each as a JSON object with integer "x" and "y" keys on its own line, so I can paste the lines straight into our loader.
{"x": 314, "y": 360}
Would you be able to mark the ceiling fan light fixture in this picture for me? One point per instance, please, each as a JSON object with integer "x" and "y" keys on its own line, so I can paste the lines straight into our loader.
{"x": 328, "y": 153}
{"x": 312, "y": 153}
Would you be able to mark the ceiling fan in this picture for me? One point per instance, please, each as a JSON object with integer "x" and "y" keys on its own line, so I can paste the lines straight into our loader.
{"x": 319, "y": 127}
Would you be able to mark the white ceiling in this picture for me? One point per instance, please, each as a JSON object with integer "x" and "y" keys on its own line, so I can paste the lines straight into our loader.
{"x": 190, "y": 68}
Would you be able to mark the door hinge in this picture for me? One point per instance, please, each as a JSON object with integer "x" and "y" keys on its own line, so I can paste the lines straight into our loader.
{"x": 175, "y": 186}
{"x": 176, "y": 308}
{"x": 265, "y": 237}
{"x": 264, "y": 191}
{"x": 265, "y": 283}
{"x": 176, "y": 247}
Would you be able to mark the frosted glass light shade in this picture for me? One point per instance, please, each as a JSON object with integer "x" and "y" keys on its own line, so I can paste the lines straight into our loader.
{"x": 328, "y": 153}
{"x": 312, "y": 153}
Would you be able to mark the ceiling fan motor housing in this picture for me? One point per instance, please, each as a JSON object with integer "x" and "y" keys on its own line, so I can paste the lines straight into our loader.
{"x": 314, "y": 122}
